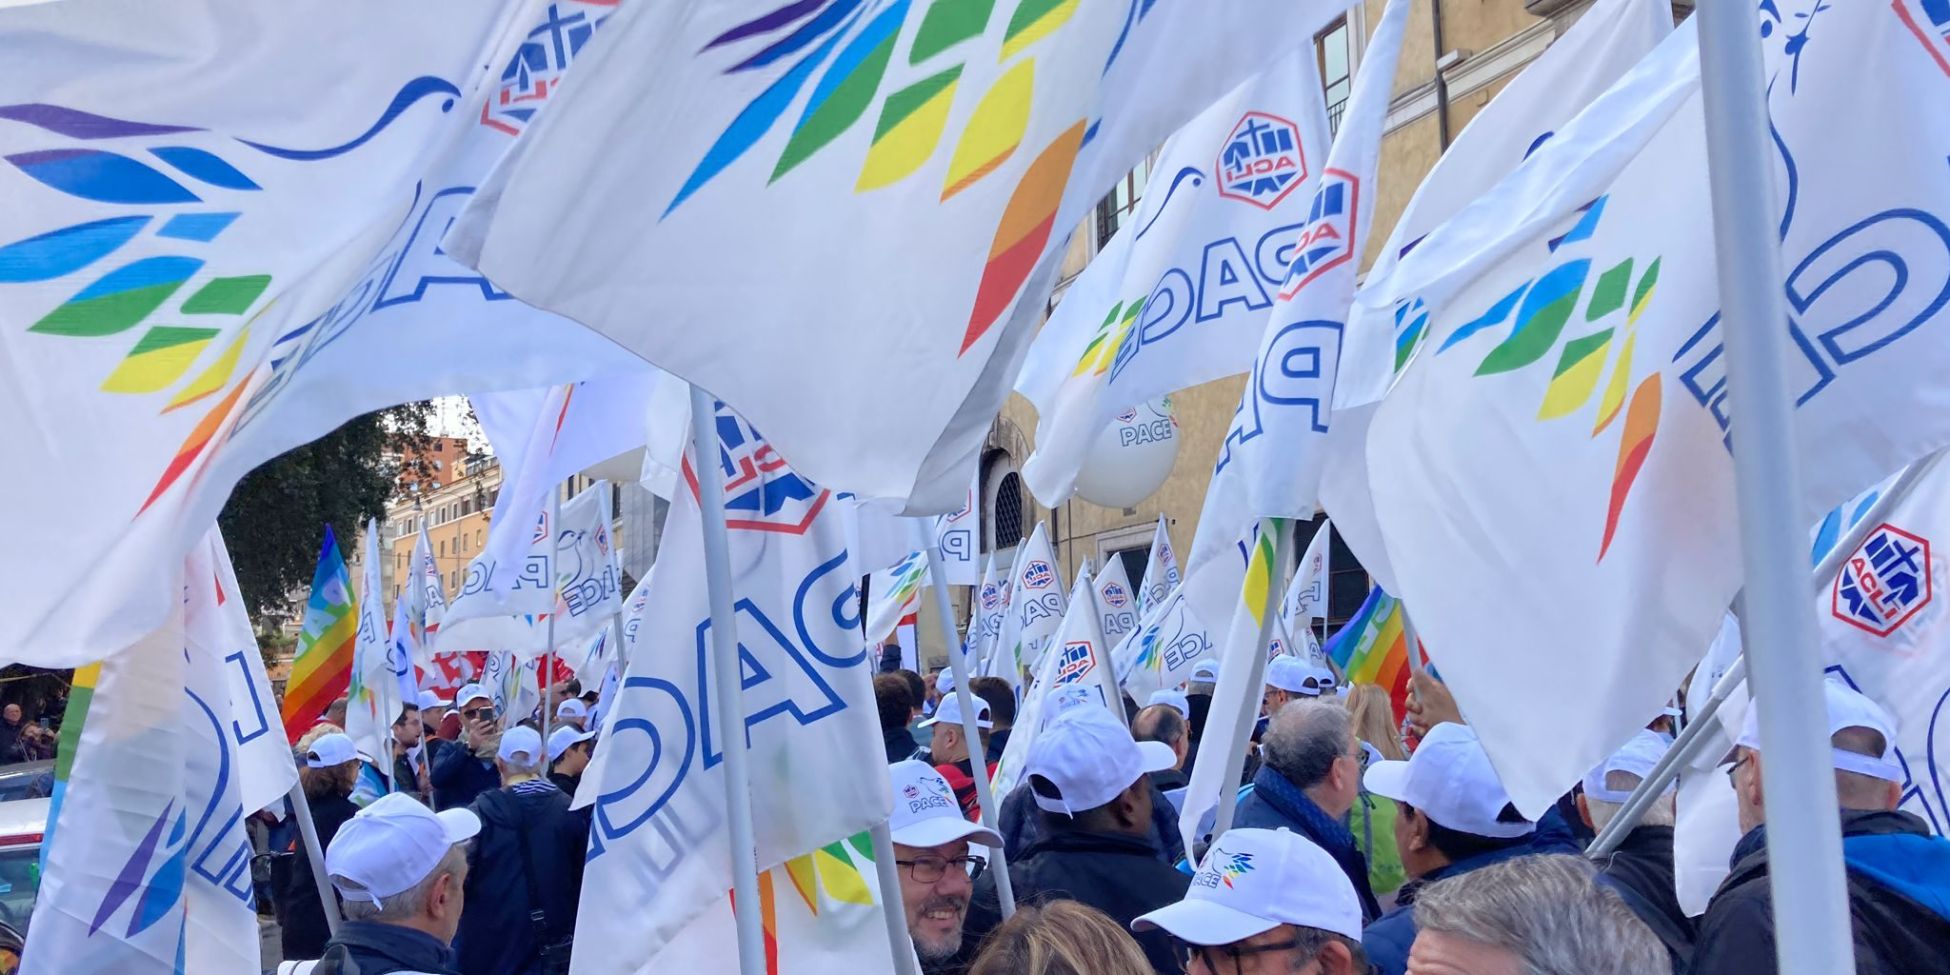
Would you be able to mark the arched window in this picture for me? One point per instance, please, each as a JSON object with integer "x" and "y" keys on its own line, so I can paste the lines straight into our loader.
{"x": 1004, "y": 513}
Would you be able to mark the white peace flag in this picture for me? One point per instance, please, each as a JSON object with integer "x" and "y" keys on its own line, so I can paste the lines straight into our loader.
{"x": 1179, "y": 295}
{"x": 1078, "y": 659}
{"x": 206, "y": 276}
{"x": 1160, "y": 572}
{"x": 987, "y": 609}
{"x": 373, "y": 695}
{"x": 1605, "y": 42}
{"x": 570, "y": 572}
{"x": 1036, "y": 608}
{"x": 1579, "y": 296}
{"x": 659, "y": 857}
{"x": 1170, "y": 639}
{"x": 1115, "y": 600}
{"x": 1306, "y": 595}
{"x": 893, "y": 594}
{"x": 425, "y": 594}
{"x": 958, "y": 536}
{"x": 921, "y": 162}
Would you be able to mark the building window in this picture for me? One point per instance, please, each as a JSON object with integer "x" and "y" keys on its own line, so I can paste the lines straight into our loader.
{"x": 1136, "y": 559}
{"x": 443, "y": 548}
{"x": 1117, "y": 206}
{"x": 1009, "y": 521}
{"x": 477, "y": 536}
{"x": 1336, "y": 56}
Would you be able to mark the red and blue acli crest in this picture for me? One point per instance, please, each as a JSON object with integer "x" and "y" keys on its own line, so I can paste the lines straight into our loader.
{"x": 761, "y": 493}
{"x": 1262, "y": 160}
{"x": 1328, "y": 241}
{"x": 1935, "y": 34}
{"x": 991, "y": 597}
{"x": 1885, "y": 583}
{"x": 533, "y": 75}
{"x": 1074, "y": 663}
{"x": 1038, "y": 575}
{"x": 1115, "y": 596}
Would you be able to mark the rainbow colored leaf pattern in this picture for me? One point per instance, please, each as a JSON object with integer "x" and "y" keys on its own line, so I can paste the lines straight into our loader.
{"x": 1025, "y": 228}
{"x": 120, "y": 298}
{"x": 832, "y": 873}
{"x": 911, "y": 123}
{"x": 994, "y": 130}
{"x": 1033, "y": 21}
{"x": 1538, "y": 313}
{"x": 160, "y": 357}
{"x": 101, "y": 176}
{"x": 1102, "y": 350}
{"x": 948, "y": 23}
{"x": 846, "y": 89}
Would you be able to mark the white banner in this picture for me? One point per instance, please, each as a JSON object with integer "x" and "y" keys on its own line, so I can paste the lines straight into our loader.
{"x": 1036, "y": 608}
{"x": 1116, "y": 601}
{"x": 373, "y": 699}
{"x": 1179, "y": 295}
{"x": 658, "y": 855}
{"x": 1078, "y": 658}
{"x": 1160, "y": 573}
{"x": 1574, "y": 358}
{"x": 204, "y": 277}
{"x": 578, "y": 557}
{"x": 958, "y": 535}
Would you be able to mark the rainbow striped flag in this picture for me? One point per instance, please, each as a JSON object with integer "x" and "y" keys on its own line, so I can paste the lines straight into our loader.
{"x": 322, "y": 668}
{"x": 1372, "y": 648}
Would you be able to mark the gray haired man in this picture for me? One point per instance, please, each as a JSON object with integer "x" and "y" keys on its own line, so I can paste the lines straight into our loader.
{"x": 1535, "y": 915}
{"x": 1308, "y": 779}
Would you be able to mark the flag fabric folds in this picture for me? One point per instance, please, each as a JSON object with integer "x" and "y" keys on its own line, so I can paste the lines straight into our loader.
{"x": 1078, "y": 658}
{"x": 1372, "y": 648}
{"x": 372, "y": 694}
{"x": 1160, "y": 572}
{"x": 658, "y": 840}
{"x": 221, "y": 243}
{"x": 990, "y": 606}
{"x": 1574, "y": 347}
{"x": 893, "y": 595}
{"x": 982, "y": 131}
{"x": 1036, "y": 608}
{"x": 1116, "y": 601}
{"x": 321, "y": 667}
{"x": 168, "y": 744}
{"x": 958, "y": 537}
{"x": 1179, "y": 295}
{"x": 569, "y": 571}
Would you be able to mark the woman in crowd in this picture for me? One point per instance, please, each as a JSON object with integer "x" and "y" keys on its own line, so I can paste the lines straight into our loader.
{"x": 1059, "y": 938}
{"x": 330, "y": 768}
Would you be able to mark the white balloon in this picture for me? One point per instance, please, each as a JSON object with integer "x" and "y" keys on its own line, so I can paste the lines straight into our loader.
{"x": 1131, "y": 458}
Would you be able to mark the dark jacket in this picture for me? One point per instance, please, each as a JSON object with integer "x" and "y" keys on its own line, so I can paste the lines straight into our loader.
{"x": 1115, "y": 873}
{"x": 567, "y": 783}
{"x": 1641, "y": 871}
{"x": 405, "y": 779}
{"x": 998, "y": 740}
{"x": 372, "y": 948}
{"x": 496, "y": 936}
{"x": 458, "y": 778}
{"x": 1021, "y": 823}
{"x": 1276, "y": 803}
{"x": 301, "y": 915}
{"x": 899, "y": 743}
{"x": 1898, "y": 900}
{"x": 1391, "y": 935}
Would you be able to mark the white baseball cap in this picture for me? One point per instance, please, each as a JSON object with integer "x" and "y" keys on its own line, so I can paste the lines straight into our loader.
{"x": 1089, "y": 757}
{"x": 1254, "y": 880}
{"x": 572, "y": 708}
{"x": 1206, "y": 671}
{"x": 561, "y": 738}
{"x": 1296, "y": 676}
{"x": 944, "y": 682}
{"x": 1847, "y": 708}
{"x": 950, "y": 713}
{"x": 1451, "y": 780}
{"x": 430, "y": 699}
{"x": 1639, "y": 755}
{"x": 1175, "y": 698}
{"x": 520, "y": 745}
{"x": 329, "y": 750}
{"x": 391, "y": 845}
{"x": 470, "y": 693}
{"x": 925, "y": 811}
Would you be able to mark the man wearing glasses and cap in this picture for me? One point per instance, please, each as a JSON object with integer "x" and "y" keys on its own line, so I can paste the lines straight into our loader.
{"x": 1264, "y": 902}
{"x": 399, "y": 869}
{"x": 1898, "y": 873}
{"x": 931, "y": 855}
{"x": 461, "y": 774}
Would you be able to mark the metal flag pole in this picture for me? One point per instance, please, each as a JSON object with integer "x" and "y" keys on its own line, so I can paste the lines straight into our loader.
{"x": 1804, "y": 838}
{"x": 891, "y": 907}
{"x": 1256, "y": 682}
{"x": 728, "y": 700}
{"x": 1694, "y": 737}
{"x": 965, "y": 699}
{"x": 308, "y": 831}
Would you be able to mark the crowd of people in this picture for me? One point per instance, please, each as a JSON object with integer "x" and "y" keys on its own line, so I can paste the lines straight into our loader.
{"x": 1358, "y": 844}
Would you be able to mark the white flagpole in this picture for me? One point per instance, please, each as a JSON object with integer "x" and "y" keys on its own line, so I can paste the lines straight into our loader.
{"x": 1326, "y": 583}
{"x": 892, "y": 908}
{"x": 728, "y": 701}
{"x": 1804, "y": 839}
{"x": 1256, "y": 684}
{"x": 965, "y": 699}
{"x": 554, "y": 564}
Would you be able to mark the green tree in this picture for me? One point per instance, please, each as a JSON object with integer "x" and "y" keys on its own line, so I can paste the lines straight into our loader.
{"x": 275, "y": 520}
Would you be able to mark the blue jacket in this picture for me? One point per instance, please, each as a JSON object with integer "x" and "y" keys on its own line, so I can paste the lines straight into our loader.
{"x": 459, "y": 778}
{"x": 496, "y": 935}
{"x": 1389, "y": 937}
{"x": 1898, "y": 900}
{"x": 1276, "y": 803}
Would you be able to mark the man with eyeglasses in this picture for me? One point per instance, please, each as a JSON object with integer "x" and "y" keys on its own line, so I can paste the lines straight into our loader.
{"x": 931, "y": 852}
{"x": 1308, "y": 780}
{"x": 1263, "y": 902}
{"x": 461, "y": 774}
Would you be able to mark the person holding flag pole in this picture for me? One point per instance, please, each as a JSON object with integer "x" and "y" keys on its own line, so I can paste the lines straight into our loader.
{"x": 958, "y": 668}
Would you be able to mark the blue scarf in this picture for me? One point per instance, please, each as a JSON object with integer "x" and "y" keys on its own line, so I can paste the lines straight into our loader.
{"x": 1325, "y": 831}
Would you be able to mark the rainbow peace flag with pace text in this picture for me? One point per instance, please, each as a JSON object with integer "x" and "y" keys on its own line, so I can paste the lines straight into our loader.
{"x": 322, "y": 667}
{"x": 1372, "y": 648}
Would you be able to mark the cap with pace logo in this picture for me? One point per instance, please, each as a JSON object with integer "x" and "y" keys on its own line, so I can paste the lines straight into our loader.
{"x": 1254, "y": 880}
{"x": 925, "y": 811}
